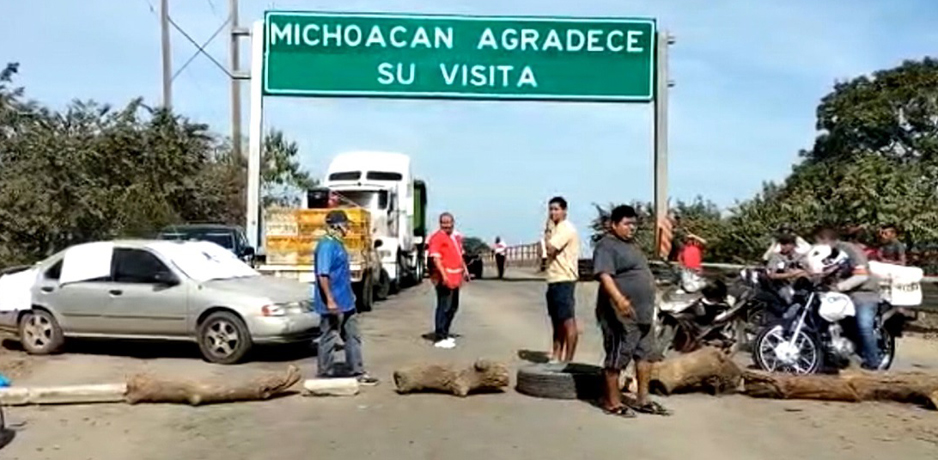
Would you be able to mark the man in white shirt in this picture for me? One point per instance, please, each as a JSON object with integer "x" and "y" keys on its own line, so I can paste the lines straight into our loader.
{"x": 499, "y": 250}
{"x": 562, "y": 245}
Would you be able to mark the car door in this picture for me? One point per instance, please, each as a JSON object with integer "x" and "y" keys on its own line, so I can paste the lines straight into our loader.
{"x": 78, "y": 306}
{"x": 146, "y": 297}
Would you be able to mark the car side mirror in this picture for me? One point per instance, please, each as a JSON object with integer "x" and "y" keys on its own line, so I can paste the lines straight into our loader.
{"x": 166, "y": 279}
{"x": 378, "y": 244}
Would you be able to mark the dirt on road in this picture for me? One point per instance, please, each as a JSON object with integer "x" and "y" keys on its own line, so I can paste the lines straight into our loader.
{"x": 497, "y": 320}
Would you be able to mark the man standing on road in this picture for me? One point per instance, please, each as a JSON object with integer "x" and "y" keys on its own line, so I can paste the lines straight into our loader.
{"x": 563, "y": 257}
{"x": 625, "y": 309}
{"x": 445, "y": 250}
{"x": 500, "y": 249}
{"x": 335, "y": 302}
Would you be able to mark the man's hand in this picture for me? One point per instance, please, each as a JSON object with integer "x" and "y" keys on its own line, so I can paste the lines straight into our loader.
{"x": 623, "y": 306}
{"x": 332, "y": 306}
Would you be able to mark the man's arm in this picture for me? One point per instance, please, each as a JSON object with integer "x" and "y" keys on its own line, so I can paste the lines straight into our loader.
{"x": 902, "y": 260}
{"x": 604, "y": 267}
{"x": 561, "y": 236}
{"x": 323, "y": 261}
{"x": 326, "y": 289}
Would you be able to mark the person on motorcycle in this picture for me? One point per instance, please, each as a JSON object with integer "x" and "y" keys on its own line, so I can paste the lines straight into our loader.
{"x": 802, "y": 247}
{"x": 785, "y": 264}
{"x": 855, "y": 280}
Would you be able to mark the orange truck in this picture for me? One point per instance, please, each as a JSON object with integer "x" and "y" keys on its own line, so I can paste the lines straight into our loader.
{"x": 290, "y": 237}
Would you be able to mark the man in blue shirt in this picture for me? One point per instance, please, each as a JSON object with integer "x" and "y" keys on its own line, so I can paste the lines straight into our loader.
{"x": 335, "y": 302}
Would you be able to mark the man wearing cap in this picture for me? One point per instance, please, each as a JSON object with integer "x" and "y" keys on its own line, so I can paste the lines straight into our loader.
{"x": 335, "y": 302}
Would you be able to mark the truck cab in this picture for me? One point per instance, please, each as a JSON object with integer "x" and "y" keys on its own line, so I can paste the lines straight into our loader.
{"x": 382, "y": 183}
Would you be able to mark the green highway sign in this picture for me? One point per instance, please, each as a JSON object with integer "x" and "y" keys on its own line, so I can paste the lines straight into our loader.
{"x": 466, "y": 57}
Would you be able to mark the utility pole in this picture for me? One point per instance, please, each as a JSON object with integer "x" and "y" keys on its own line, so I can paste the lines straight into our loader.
{"x": 662, "y": 84}
{"x": 167, "y": 57}
{"x": 234, "y": 57}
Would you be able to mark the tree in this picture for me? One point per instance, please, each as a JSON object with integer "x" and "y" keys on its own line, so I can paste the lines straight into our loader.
{"x": 93, "y": 172}
{"x": 475, "y": 246}
{"x": 892, "y": 113}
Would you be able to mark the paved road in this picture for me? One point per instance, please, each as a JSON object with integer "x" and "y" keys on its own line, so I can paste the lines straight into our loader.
{"x": 497, "y": 320}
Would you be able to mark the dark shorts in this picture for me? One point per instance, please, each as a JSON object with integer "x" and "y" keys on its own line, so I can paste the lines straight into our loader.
{"x": 625, "y": 340}
{"x": 561, "y": 301}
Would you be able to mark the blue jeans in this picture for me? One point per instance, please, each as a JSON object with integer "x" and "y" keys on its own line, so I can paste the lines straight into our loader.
{"x": 866, "y": 320}
{"x": 334, "y": 326}
{"x": 447, "y": 303}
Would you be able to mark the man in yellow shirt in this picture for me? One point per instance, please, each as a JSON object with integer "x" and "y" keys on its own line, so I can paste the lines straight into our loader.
{"x": 563, "y": 256}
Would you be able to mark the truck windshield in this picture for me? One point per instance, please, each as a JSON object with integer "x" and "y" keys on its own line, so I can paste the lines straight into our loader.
{"x": 368, "y": 199}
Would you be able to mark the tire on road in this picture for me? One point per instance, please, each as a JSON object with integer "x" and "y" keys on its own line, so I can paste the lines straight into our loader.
{"x": 383, "y": 286}
{"x": 365, "y": 293}
{"x": 40, "y": 333}
{"x": 224, "y": 338}
{"x": 572, "y": 381}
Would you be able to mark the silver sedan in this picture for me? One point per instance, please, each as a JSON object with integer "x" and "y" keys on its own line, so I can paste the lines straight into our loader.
{"x": 192, "y": 291}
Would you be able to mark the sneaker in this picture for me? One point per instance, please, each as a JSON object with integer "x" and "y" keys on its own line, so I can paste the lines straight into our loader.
{"x": 367, "y": 380}
{"x": 445, "y": 343}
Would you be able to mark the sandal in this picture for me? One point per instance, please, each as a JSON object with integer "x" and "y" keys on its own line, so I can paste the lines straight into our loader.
{"x": 653, "y": 408}
{"x": 621, "y": 411}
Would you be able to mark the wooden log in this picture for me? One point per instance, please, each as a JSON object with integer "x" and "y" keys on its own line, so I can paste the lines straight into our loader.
{"x": 144, "y": 388}
{"x": 707, "y": 369}
{"x": 854, "y": 386}
{"x": 330, "y": 387}
{"x": 480, "y": 377}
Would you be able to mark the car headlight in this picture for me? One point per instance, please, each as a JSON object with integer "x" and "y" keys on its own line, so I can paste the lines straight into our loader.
{"x": 281, "y": 309}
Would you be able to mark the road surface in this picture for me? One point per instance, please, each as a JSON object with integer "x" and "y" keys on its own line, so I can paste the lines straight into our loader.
{"x": 497, "y": 320}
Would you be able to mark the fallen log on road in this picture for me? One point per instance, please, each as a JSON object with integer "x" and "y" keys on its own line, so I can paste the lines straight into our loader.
{"x": 854, "y": 386}
{"x": 707, "y": 369}
{"x": 480, "y": 377}
{"x": 148, "y": 389}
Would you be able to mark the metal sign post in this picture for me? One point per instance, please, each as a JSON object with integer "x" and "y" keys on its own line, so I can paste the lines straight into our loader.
{"x": 662, "y": 83}
{"x": 256, "y": 135}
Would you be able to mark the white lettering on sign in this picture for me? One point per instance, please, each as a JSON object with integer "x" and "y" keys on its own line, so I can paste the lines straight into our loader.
{"x": 353, "y": 35}
{"x": 487, "y": 75}
{"x": 389, "y": 76}
{"x": 593, "y": 40}
{"x": 633, "y": 46}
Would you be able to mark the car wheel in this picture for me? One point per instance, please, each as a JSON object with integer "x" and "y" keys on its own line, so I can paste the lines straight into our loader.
{"x": 223, "y": 338}
{"x": 40, "y": 333}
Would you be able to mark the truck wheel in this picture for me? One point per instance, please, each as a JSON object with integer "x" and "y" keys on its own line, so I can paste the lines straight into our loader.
{"x": 383, "y": 288}
{"x": 366, "y": 293}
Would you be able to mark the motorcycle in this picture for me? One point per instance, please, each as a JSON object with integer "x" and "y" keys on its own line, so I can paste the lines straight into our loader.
{"x": 819, "y": 329}
{"x": 712, "y": 318}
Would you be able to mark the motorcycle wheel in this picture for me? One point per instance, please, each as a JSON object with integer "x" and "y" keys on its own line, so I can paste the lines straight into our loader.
{"x": 887, "y": 347}
{"x": 772, "y": 352}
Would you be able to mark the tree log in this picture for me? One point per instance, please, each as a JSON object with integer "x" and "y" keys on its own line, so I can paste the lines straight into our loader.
{"x": 907, "y": 387}
{"x": 144, "y": 388}
{"x": 707, "y": 369}
{"x": 480, "y": 377}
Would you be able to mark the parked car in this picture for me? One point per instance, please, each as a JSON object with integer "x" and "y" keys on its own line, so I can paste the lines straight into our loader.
{"x": 162, "y": 290}
{"x": 230, "y": 237}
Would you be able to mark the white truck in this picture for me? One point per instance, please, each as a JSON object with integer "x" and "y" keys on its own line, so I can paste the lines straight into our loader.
{"x": 383, "y": 183}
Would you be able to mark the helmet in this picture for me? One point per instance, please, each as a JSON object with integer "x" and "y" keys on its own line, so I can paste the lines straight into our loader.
{"x": 336, "y": 217}
{"x": 823, "y": 258}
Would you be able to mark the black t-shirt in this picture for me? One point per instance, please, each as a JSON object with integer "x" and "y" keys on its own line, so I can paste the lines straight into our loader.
{"x": 624, "y": 261}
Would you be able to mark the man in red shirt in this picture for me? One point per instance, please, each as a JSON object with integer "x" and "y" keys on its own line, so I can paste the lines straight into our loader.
{"x": 691, "y": 256}
{"x": 448, "y": 273}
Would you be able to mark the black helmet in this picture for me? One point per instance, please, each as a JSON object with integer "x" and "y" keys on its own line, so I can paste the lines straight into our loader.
{"x": 336, "y": 217}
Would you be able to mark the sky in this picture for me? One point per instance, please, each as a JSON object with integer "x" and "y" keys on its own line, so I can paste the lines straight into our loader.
{"x": 748, "y": 76}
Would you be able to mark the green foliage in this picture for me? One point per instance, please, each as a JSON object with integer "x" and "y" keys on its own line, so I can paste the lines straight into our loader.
{"x": 874, "y": 162}
{"x": 474, "y": 246}
{"x": 93, "y": 172}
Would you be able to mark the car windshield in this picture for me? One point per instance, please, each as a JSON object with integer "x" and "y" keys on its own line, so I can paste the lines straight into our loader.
{"x": 368, "y": 199}
{"x": 205, "y": 261}
{"x": 223, "y": 239}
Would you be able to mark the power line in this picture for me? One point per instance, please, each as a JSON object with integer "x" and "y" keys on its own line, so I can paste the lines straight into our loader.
{"x": 201, "y": 49}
